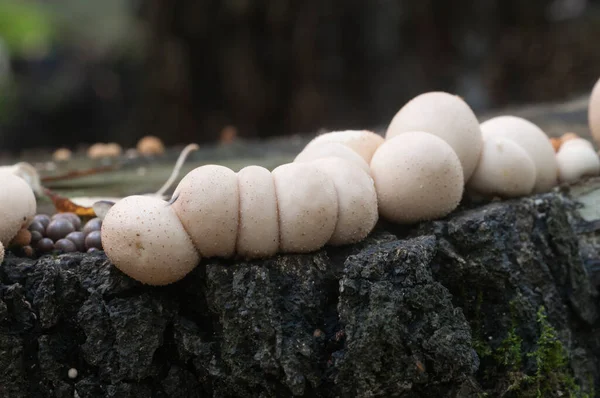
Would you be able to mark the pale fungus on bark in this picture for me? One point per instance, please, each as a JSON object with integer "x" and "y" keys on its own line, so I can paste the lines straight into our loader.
{"x": 17, "y": 206}
{"x": 505, "y": 169}
{"x": 533, "y": 140}
{"x": 363, "y": 142}
{"x": 577, "y": 159}
{"x": 307, "y": 205}
{"x": 594, "y": 112}
{"x": 418, "y": 176}
{"x": 356, "y": 197}
{"x": 207, "y": 203}
{"x": 332, "y": 149}
{"x": 446, "y": 116}
{"x": 258, "y": 234}
{"x": 143, "y": 237}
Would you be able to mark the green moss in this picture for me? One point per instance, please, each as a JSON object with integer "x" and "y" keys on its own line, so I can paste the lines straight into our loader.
{"x": 553, "y": 375}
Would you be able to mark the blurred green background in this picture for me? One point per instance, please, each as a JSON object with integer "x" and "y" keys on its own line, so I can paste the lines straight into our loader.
{"x": 76, "y": 72}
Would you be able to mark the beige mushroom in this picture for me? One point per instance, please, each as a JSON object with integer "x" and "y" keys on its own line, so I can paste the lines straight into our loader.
{"x": 258, "y": 234}
{"x": 207, "y": 203}
{"x": 505, "y": 169}
{"x": 446, "y": 116}
{"x": 576, "y": 160}
{"x": 150, "y": 145}
{"x": 533, "y": 140}
{"x": 363, "y": 142}
{"x": 417, "y": 177}
{"x": 356, "y": 197}
{"x": 143, "y": 237}
{"x": 594, "y": 112}
{"x": 17, "y": 206}
{"x": 308, "y": 207}
{"x": 1, "y": 253}
{"x": 332, "y": 149}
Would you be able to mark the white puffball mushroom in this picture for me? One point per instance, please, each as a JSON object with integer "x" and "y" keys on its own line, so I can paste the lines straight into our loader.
{"x": 533, "y": 140}
{"x": 418, "y": 176}
{"x": 258, "y": 234}
{"x": 308, "y": 207}
{"x": 576, "y": 160}
{"x": 1, "y": 253}
{"x": 323, "y": 150}
{"x": 446, "y": 116}
{"x": 363, "y": 142}
{"x": 17, "y": 206}
{"x": 143, "y": 237}
{"x": 357, "y": 200}
{"x": 207, "y": 203}
{"x": 594, "y": 112}
{"x": 505, "y": 169}
{"x": 577, "y": 141}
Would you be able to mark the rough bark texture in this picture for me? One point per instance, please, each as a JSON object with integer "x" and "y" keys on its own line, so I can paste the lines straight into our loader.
{"x": 446, "y": 309}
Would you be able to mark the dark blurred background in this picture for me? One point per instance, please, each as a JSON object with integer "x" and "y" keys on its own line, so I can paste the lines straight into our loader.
{"x": 75, "y": 71}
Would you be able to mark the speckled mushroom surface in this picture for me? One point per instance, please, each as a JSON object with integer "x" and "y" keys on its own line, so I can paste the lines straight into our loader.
{"x": 363, "y": 142}
{"x": 143, "y": 237}
{"x": 207, "y": 203}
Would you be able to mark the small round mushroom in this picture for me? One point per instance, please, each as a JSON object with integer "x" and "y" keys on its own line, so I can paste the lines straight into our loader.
{"x": 505, "y": 169}
{"x": 17, "y": 206}
{"x": 143, "y": 237}
{"x": 363, "y": 142}
{"x": 446, "y": 116}
{"x": 576, "y": 160}
{"x": 308, "y": 207}
{"x": 207, "y": 203}
{"x": 258, "y": 234}
{"x": 357, "y": 200}
{"x": 62, "y": 155}
{"x": 22, "y": 238}
{"x": 417, "y": 177}
{"x": 150, "y": 145}
{"x": 533, "y": 140}
{"x": 577, "y": 141}
{"x": 332, "y": 149}
{"x": 594, "y": 112}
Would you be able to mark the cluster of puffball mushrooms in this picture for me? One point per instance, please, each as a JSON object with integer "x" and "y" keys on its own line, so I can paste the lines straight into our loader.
{"x": 333, "y": 193}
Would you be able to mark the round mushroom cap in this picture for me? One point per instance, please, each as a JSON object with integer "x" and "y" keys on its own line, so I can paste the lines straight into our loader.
{"x": 17, "y": 206}
{"x": 575, "y": 161}
{"x": 418, "y": 176}
{"x": 533, "y": 140}
{"x": 577, "y": 141}
{"x": 307, "y": 205}
{"x": 363, "y": 142}
{"x": 332, "y": 149}
{"x": 150, "y": 145}
{"x": 505, "y": 169}
{"x": 446, "y": 116}
{"x": 356, "y": 197}
{"x": 207, "y": 203}
{"x": 143, "y": 237}
{"x": 594, "y": 112}
{"x": 258, "y": 234}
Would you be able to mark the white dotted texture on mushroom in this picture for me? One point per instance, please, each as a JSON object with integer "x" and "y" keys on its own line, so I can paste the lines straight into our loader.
{"x": 533, "y": 140}
{"x": 308, "y": 207}
{"x": 363, "y": 142}
{"x": 505, "y": 169}
{"x": 446, "y": 116}
{"x": 357, "y": 200}
{"x": 417, "y": 177}
{"x": 207, "y": 203}
{"x": 258, "y": 235}
{"x": 594, "y": 112}
{"x": 143, "y": 237}
{"x": 331, "y": 149}
{"x": 576, "y": 160}
{"x": 17, "y": 206}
